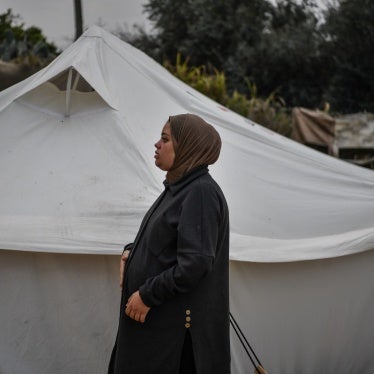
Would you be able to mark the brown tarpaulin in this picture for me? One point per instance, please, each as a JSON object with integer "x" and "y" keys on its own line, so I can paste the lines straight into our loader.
{"x": 313, "y": 128}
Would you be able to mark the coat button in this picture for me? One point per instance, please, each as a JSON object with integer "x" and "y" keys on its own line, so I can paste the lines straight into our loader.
{"x": 187, "y": 325}
{"x": 188, "y": 319}
{"x": 188, "y": 312}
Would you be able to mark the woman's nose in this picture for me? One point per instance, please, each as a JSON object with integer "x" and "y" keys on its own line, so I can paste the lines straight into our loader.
{"x": 157, "y": 144}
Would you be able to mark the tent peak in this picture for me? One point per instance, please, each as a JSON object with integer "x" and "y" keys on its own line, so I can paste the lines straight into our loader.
{"x": 95, "y": 31}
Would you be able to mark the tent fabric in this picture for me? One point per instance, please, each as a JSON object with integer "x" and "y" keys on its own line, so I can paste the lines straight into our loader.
{"x": 58, "y": 312}
{"x": 305, "y": 317}
{"x": 61, "y": 311}
{"x": 314, "y": 127}
{"x": 81, "y": 183}
{"x": 74, "y": 189}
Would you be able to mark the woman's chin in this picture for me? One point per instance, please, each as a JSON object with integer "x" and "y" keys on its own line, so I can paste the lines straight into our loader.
{"x": 159, "y": 165}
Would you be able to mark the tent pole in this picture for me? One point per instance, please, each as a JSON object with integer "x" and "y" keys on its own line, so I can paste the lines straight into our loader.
{"x": 68, "y": 92}
{"x": 76, "y": 80}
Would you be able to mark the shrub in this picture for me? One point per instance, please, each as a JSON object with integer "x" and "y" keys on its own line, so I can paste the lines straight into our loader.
{"x": 23, "y": 44}
{"x": 270, "y": 112}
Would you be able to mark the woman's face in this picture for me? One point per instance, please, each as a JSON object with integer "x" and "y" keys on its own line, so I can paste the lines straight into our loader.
{"x": 164, "y": 154}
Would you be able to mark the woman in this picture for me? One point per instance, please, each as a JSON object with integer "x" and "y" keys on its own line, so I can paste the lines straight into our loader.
{"x": 174, "y": 315}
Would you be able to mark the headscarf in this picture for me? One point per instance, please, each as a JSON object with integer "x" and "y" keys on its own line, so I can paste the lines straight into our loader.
{"x": 195, "y": 142}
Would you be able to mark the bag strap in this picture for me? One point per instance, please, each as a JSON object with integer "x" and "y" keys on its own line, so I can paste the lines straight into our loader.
{"x": 243, "y": 340}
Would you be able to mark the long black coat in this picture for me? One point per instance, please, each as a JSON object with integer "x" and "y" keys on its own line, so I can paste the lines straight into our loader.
{"x": 179, "y": 263}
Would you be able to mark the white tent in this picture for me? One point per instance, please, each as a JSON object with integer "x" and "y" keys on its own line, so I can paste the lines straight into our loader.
{"x": 77, "y": 175}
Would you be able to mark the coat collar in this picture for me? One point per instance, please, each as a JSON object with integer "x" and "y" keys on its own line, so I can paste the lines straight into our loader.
{"x": 186, "y": 179}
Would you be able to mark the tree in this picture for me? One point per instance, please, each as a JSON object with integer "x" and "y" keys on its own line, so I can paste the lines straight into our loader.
{"x": 284, "y": 47}
{"x": 16, "y": 41}
{"x": 209, "y": 32}
{"x": 287, "y": 57}
{"x": 23, "y": 51}
{"x": 271, "y": 45}
{"x": 349, "y": 33}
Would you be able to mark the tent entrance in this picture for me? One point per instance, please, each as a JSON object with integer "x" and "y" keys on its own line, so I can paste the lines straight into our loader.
{"x": 65, "y": 95}
{"x": 78, "y": 83}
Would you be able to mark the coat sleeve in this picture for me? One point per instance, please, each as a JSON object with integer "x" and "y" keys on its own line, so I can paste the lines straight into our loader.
{"x": 198, "y": 230}
{"x": 128, "y": 247}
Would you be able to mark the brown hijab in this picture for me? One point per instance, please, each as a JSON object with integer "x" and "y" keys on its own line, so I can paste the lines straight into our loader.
{"x": 195, "y": 142}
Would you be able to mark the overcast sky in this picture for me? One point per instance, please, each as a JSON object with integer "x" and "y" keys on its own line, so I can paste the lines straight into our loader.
{"x": 56, "y": 17}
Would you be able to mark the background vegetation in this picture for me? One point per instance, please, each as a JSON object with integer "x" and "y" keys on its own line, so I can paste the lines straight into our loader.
{"x": 305, "y": 55}
{"x": 18, "y": 43}
{"x": 270, "y": 112}
{"x": 258, "y": 58}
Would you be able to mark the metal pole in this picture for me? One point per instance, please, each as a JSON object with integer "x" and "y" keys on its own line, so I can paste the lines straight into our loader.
{"x": 68, "y": 92}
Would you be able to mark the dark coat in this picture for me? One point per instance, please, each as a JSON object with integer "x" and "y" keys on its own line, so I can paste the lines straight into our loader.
{"x": 179, "y": 263}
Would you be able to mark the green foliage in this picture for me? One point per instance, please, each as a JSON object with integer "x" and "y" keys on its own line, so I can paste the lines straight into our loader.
{"x": 349, "y": 46}
{"x": 238, "y": 103}
{"x": 211, "y": 32}
{"x": 211, "y": 85}
{"x": 19, "y": 43}
{"x": 269, "y": 112}
{"x": 287, "y": 56}
{"x": 273, "y": 45}
{"x": 310, "y": 58}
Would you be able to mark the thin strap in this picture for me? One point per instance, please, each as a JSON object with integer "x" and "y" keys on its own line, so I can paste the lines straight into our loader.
{"x": 243, "y": 340}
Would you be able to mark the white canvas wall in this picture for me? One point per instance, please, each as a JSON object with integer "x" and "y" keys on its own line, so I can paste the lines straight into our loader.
{"x": 59, "y": 313}
{"x": 305, "y": 317}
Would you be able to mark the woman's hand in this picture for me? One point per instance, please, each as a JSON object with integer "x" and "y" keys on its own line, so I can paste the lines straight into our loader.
{"x": 135, "y": 308}
{"x": 122, "y": 264}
